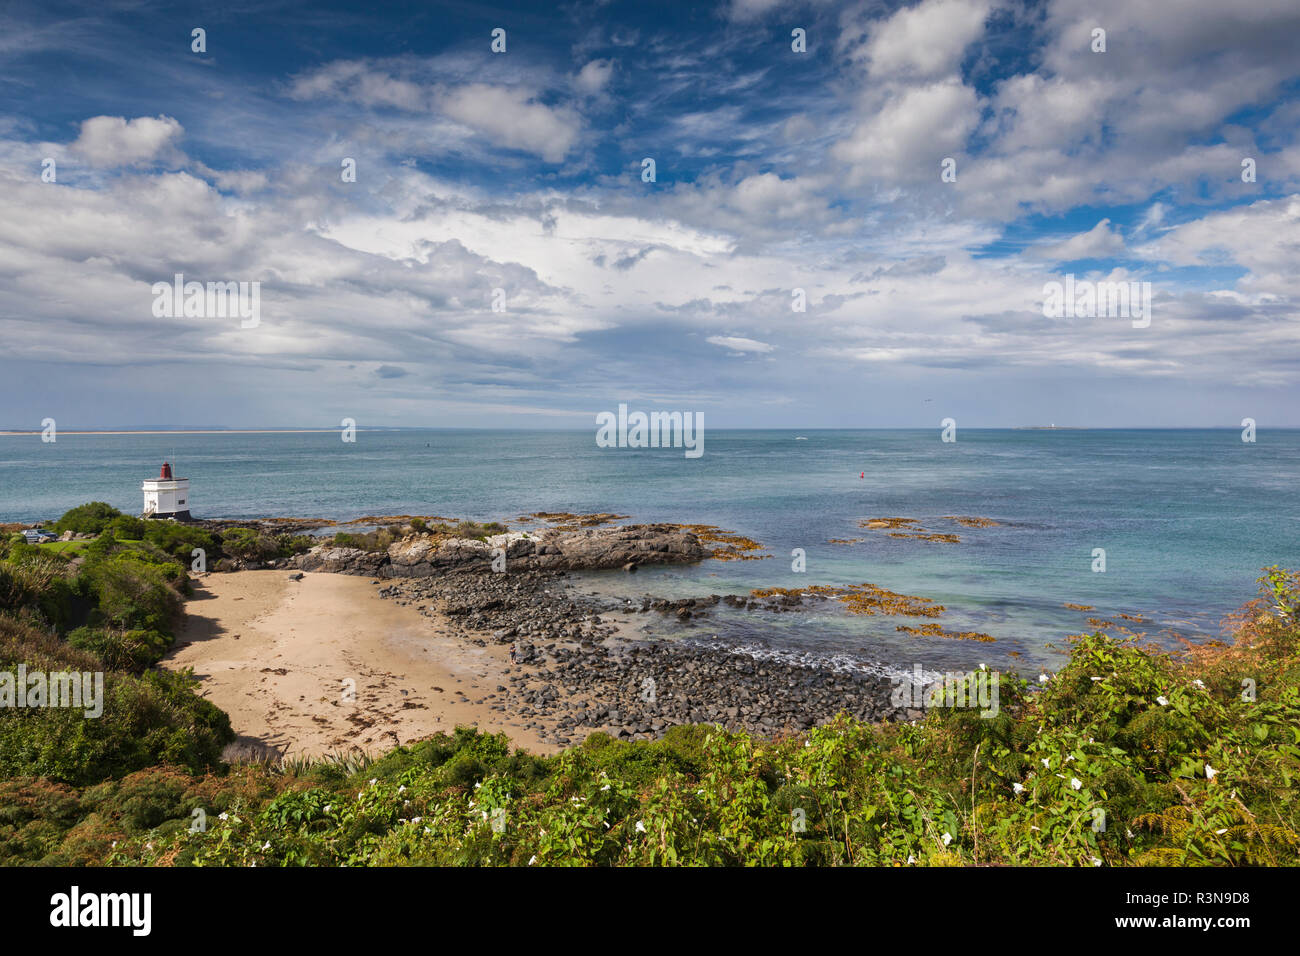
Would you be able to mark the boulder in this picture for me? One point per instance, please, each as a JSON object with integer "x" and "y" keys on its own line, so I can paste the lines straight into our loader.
{"x": 342, "y": 561}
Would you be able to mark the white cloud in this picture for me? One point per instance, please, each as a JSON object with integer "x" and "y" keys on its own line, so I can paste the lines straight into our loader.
{"x": 594, "y": 77}
{"x": 906, "y": 136}
{"x": 1099, "y": 242}
{"x": 117, "y": 141}
{"x": 925, "y": 41}
{"x": 740, "y": 344}
{"x": 359, "y": 82}
{"x": 511, "y": 117}
{"x": 744, "y": 10}
{"x": 1263, "y": 238}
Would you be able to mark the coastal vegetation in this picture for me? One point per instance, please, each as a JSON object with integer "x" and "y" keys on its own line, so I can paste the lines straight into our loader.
{"x": 110, "y": 607}
{"x": 1129, "y": 755}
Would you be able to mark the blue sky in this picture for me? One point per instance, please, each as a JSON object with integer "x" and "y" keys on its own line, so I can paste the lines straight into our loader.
{"x": 776, "y": 171}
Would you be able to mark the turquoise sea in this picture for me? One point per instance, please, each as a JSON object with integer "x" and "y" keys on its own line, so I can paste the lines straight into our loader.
{"x": 1186, "y": 517}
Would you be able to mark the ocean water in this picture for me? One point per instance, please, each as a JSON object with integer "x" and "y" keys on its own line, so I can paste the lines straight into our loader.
{"x": 1187, "y": 518}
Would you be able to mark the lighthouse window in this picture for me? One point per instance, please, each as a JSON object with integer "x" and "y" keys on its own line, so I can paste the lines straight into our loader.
{"x": 182, "y": 501}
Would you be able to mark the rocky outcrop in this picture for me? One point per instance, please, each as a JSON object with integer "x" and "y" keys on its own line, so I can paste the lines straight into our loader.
{"x": 342, "y": 561}
{"x": 585, "y": 549}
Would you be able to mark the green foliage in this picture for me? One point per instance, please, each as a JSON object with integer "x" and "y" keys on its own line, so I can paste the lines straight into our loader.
{"x": 131, "y": 651}
{"x": 248, "y": 544}
{"x": 179, "y": 540}
{"x": 149, "y": 719}
{"x": 128, "y": 528}
{"x": 377, "y": 540}
{"x": 90, "y": 518}
{"x": 468, "y": 529}
{"x": 135, "y": 590}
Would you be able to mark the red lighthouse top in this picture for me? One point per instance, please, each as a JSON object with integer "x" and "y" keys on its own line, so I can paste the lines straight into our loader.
{"x": 166, "y": 472}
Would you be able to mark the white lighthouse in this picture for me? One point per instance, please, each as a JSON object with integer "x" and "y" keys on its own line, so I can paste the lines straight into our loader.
{"x": 166, "y": 496}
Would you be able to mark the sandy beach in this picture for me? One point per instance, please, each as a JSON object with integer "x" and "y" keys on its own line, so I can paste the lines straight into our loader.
{"x": 276, "y": 655}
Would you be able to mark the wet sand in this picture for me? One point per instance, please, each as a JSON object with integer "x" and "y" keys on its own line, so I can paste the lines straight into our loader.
{"x": 277, "y": 655}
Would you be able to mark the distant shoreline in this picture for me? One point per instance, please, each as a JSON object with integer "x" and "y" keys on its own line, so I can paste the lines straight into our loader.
{"x": 193, "y": 431}
{"x": 474, "y": 428}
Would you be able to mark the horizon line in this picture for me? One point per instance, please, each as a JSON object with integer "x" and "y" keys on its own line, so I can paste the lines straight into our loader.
{"x": 291, "y": 430}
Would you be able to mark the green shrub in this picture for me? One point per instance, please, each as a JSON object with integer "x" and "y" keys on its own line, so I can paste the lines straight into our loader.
{"x": 246, "y": 544}
{"x": 150, "y": 719}
{"x": 180, "y": 540}
{"x": 133, "y": 592}
{"x": 122, "y": 650}
{"x": 128, "y": 527}
{"x": 90, "y": 518}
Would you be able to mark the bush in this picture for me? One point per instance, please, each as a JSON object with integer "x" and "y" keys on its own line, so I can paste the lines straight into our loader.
{"x": 134, "y": 593}
{"x": 246, "y": 544}
{"x": 90, "y": 518}
{"x": 179, "y": 540}
{"x": 154, "y": 718}
{"x": 132, "y": 651}
{"x": 377, "y": 540}
{"x": 127, "y": 527}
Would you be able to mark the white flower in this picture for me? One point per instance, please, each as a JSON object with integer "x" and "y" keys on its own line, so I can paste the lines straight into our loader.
{"x": 640, "y": 827}
{"x": 1199, "y": 683}
{"x": 947, "y": 838}
{"x": 604, "y": 788}
{"x": 1018, "y": 787}
{"x": 416, "y": 819}
{"x": 1162, "y": 701}
{"x": 402, "y": 789}
{"x": 477, "y": 785}
{"x": 1042, "y": 678}
{"x": 1209, "y": 772}
{"x": 149, "y": 845}
{"x": 1094, "y": 679}
{"x": 1076, "y": 782}
{"x": 328, "y": 807}
{"x": 223, "y": 816}
{"x": 1221, "y": 832}
{"x": 1046, "y": 762}
{"x": 911, "y": 859}
{"x": 1095, "y": 861}
{"x": 373, "y": 781}
{"x": 1069, "y": 758}
{"x": 266, "y": 845}
{"x": 532, "y": 860}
